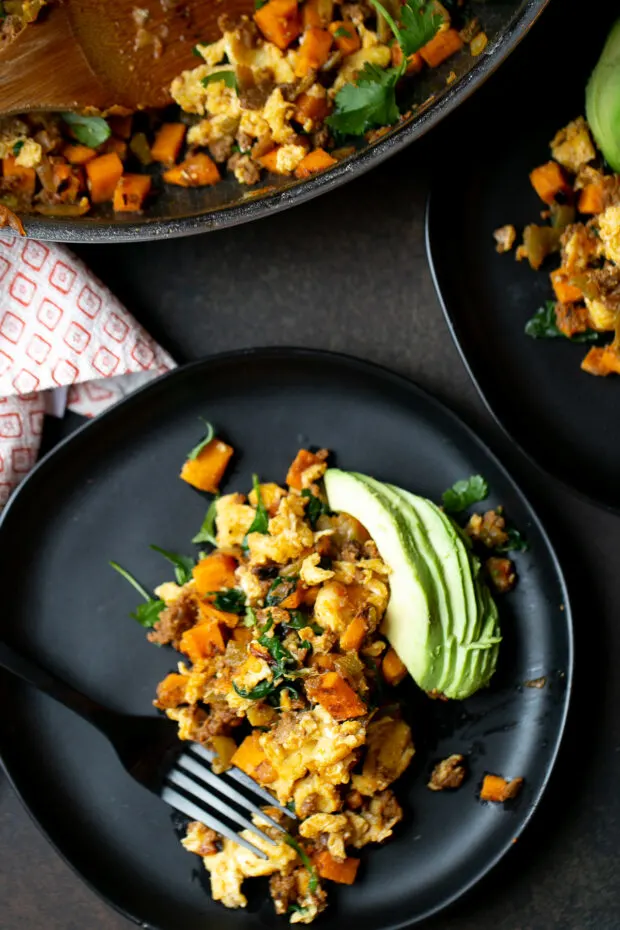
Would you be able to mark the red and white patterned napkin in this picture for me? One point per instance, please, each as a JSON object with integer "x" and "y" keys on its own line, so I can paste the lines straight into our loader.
{"x": 65, "y": 342}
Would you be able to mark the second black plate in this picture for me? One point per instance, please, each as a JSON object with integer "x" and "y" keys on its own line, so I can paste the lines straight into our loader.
{"x": 112, "y": 489}
{"x": 564, "y": 419}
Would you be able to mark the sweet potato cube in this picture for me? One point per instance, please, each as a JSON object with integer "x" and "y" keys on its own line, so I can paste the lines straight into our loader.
{"x": 314, "y": 50}
{"x": 548, "y": 181}
{"x": 23, "y": 179}
{"x": 497, "y": 789}
{"x": 342, "y": 872}
{"x": 334, "y": 694}
{"x": 168, "y": 141}
{"x": 203, "y": 641}
{"x": 171, "y": 691}
{"x": 354, "y": 635}
{"x": 206, "y": 471}
{"x": 215, "y": 572}
{"x": 279, "y": 21}
{"x": 592, "y": 199}
{"x": 103, "y": 173}
{"x": 441, "y": 46}
{"x": 251, "y": 759}
{"x": 301, "y": 462}
{"x": 393, "y": 668}
{"x": 318, "y": 160}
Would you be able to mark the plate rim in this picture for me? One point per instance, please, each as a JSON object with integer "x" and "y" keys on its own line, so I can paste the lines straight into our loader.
{"x": 407, "y": 384}
{"x": 450, "y": 321}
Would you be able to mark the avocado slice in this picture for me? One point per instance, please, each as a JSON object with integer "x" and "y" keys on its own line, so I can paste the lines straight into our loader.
{"x": 447, "y": 634}
{"x": 410, "y": 591}
{"x": 603, "y": 99}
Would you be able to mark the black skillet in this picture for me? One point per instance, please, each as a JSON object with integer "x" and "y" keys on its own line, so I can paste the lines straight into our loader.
{"x": 565, "y": 420}
{"x": 111, "y": 489}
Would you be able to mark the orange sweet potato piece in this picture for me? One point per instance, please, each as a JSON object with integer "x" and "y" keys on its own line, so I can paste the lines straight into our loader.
{"x": 592, "y": 199}
{"x": 215, "y": 572}
{"x": 301, "y": 462}
{"x": 131, "y": 192}
{"x": 242, "y": 635}
{"x": 564, "y": 290}
{"x": 279, "y": 21}
{"x": 168, "y": 141}
{"x": 198, "y": 170}
{"x": 441, "y": 47}
{"x": 78, "y": 154}
{"x": 497, "y": 789}
{"x": 325, "y": 663}
{"x": 314, "y": 161}
{"x": 333, "y": 870}
{"x": 249, "y": 755}
{"x": 346, "y": 36}
{"x": 270, "y": 160}
{"x": 23, "y": 179}
{"x": 571, "y": 318}
{"x": 308, "y": 106}
{"x": 353, "y": 636}
{"x": 202, "y": 641}
{"x": 103, "y": 173}
{"x": 317, "y": 13}
{"x": 602, "y": 362}
{"x": 206, "y": 471}
{"x": 338, "y": 698}
{"x": 548, "y": 181}
{"x": 293, "y": 600}
{"x": 313, "y": 51}
{"x": 393, "y": 668}
{"x": 415, "y": 62}
{"x": 171, "y": 691}
{"x": 210, "y": 614}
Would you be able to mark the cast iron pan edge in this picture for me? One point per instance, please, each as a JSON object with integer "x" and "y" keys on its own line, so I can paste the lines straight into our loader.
{"x": 404, "y": 383}
{"x": 102, "y": 231}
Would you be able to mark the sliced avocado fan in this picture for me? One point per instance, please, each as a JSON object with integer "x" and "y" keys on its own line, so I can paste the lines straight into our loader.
{"x": 603, "y": 99}
{"x": 441, "y": 618}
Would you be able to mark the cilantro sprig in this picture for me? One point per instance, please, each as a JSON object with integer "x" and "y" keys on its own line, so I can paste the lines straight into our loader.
{"x": 206, "y": 533}
{"x": 464, "y": 493}
{"x": 183, "y": 564}
{"x": 370, "y": 101}
{"x": 146, "y": 614}
{"x": 543, "y": 325}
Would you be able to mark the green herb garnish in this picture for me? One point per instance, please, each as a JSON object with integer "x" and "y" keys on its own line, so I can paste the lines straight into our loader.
{"x": 196, "y": 51}
{"x": 342, "y": 33}
{"x": 515, "y": 543}
{"x": 89, "y": 130}
{"x": 314, "y": 878}
{"x": 228, "y": 76}
{"x": 279, "y": 589}
{"x": 315, "y": 508}
{"x": 261, "y": 690}
{"x": 183, "y": 564}
{"x": 299, "y": 621}
{"x": 17, "y": 147}
{"x": 260, "y": 523}
{"x": 543, "y": 326}
{"x": 259, "y": 3}
{"x": 464, "y": 493}
{"x": 371, "y": 101}
{"x": 146, "y": 614}
{"x": 250, "y": 618}
{"x": 232, "y": 600}
{"x": 195, "y": 452}
{"x": 206, "y": 533}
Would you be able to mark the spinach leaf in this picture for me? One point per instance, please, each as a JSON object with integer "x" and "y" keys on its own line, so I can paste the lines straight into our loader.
{"x": 260, "y": 523}
{"x": 516, "y": 542}
{"x": 464, "y": 493}
{"x": 279, "y": 589}
{"x": 210, "y": 434}
{"x": 17, "y": 147}
{"x": 299, "y": 621}
{"x": 543, "y": 326}
{"x": 315, "y": 508}
{"x": 206, "y": 533}
{"x": 227, "y": 75}
{"x": 261, "y": 690}
{"x": 146, "y": 614}
{"x": 232, "y": 600}
{"x": 89, "y": 130}
{"x": 183, "y": 564}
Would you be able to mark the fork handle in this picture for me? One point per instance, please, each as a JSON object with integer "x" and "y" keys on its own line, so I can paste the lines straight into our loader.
{"x": 33, "y": 674}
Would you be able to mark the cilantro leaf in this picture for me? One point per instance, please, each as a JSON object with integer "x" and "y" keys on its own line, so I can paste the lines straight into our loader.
{"x": 206, "y": 533}
{"x": 516, "y": 542}
{"x": 17, "y": 147}
{"x": 543, "y": 326}
{"x": 260, "y": 523}
{"x": 146, "y": 614}
{"x": 314, "y": 878}
{"x": 315, "y": 508}
{"x": 232, "y": 600}
{"x": 227, "y": 75}
{"x": 183, "y": 564}
{"x": 89, "y": 130}
{"x": 464, "y": 493}
{"x": 369, "y": 103}
{"x": 420, "y": 23}
{"x": 195, "y": 452}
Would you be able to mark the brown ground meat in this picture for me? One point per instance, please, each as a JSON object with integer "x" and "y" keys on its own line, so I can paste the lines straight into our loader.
{"x": 352, "y": 551}
{"x": 174, "y": 621}
{"x": 220, "y": 720}
{"x": 208, "y": 839}
{"x": 571, "y": 318}
{"x": 221, "y": 149}
{"x": 449, "y": 773}
{"x": 283, "y": 891}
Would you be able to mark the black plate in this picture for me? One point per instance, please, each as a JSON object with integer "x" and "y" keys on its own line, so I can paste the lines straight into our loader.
{"x": 182, "y": 212}
{"x": 112, "y": 489}
{"x": 564, "y": 419}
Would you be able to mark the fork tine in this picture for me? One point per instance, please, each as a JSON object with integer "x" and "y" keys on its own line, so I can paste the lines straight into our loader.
{"x": 176, "y": 777}
{"x": 199, "y": 770}
{"x": 180, "y": 803}
{"x": 244, "y": 780}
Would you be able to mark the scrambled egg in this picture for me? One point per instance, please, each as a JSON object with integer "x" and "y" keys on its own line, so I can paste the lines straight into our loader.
{"x": 278, "y": 695}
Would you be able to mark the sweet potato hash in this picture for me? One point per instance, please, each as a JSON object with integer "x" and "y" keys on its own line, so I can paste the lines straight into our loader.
{"x": 285, "y": 92}
{"x": 582, "y": 207}
{"x": 287, "y": 677}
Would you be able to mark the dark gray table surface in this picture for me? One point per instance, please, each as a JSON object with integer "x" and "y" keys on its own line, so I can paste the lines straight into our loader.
{"x": 348, "y": 272}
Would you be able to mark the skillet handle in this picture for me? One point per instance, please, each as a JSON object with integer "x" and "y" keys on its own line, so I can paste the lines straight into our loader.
{"x": 42, "y": 680}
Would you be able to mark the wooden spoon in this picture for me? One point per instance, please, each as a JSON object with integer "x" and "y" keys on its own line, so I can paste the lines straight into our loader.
{"x": 98, "y": 53}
